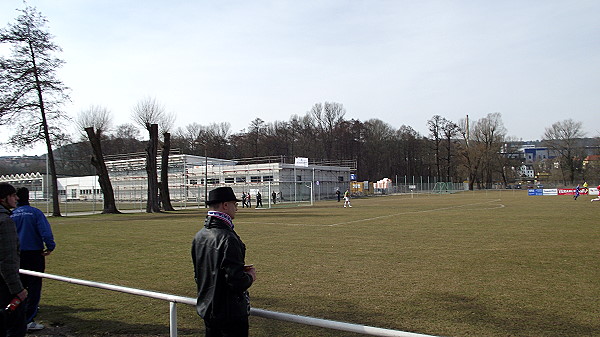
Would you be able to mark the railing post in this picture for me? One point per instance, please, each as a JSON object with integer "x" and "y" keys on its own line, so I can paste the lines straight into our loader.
{"x": 173, "y": 318}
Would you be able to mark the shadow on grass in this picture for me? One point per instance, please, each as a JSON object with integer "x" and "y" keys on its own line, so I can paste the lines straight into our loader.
{"x": 520, "y": 321}
{"x": 343, "y": 311}
{"x": 65, "y": 321}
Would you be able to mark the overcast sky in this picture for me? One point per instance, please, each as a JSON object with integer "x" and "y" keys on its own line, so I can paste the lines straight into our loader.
{"x": 535, "y": 62}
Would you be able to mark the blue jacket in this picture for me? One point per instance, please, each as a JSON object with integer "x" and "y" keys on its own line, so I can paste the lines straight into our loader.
{"x": 33, "y": 228}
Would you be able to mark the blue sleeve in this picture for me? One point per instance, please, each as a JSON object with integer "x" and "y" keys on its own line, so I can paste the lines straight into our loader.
{"x": 45, "y": 230}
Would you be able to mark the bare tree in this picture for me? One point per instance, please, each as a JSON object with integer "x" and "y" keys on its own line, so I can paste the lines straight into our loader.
{"x": 470, "y": 151}
{"x": 124, "y": 138}
{"x": 150, "y": 111}
{"x": 380, "y": 138}
{"x": 435, "y": 125}
{"x": 490, "y": 133}
{"x": 150, "y": 114}
{"x": 562, "y": 138}
{"x": 95, "y": 121}
{"x": 126, "y": 131}
{"x": 327, "y": 117}
{"x": 256, "y": 133}
{"x": 187, "y": 138}
{"x": 449, "y": 130}
{"x": 97, "y": 117}
{"x": 30, "y": 93}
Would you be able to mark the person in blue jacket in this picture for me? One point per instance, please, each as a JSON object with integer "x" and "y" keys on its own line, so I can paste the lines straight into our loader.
{"x": 577, "y": 192}
{"x": 37, "y": 242}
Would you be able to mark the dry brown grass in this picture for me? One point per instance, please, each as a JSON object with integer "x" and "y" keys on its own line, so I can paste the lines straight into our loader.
{"x": 468, "y": 264}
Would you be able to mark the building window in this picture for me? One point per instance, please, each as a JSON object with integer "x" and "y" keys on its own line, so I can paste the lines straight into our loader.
{"x": 340, "y": 178}
{"x": 240, "y": 179}
{"x": 193, "y": 181}
{"x": 298, "y": 178}
{"x": 229, "y": 180}
{"x": 213, "y": 181}
{"x": 255, "y": 179}
{"x": 267, "y": 178}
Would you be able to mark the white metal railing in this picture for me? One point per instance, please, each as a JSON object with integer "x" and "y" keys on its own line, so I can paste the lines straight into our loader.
{"x": 174, "y": 299}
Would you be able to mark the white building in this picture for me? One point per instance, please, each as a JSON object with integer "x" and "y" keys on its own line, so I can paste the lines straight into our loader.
{"x": 526, "y": 171}
{"x": 191, "y": 177}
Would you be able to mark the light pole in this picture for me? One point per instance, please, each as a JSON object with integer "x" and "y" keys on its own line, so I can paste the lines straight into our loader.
{"x": 205, "y": 178}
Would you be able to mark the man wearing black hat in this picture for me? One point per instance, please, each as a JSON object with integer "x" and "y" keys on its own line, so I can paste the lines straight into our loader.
{"x": 218, "y": 255}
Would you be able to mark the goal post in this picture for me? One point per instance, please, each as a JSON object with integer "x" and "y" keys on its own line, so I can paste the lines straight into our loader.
{"x": 442, "y": 187}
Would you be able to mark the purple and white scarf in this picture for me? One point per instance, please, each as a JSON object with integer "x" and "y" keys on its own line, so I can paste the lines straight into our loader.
{"x": 223, "y": 216}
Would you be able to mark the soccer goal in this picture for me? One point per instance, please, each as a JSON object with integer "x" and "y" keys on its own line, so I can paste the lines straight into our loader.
{"x": 442, "y": 187}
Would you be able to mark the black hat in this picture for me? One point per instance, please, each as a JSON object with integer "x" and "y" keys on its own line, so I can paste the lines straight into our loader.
{"x": 23, "y": 193}
{"x": 6, "y": 189}
{"x": 221, "y": 194}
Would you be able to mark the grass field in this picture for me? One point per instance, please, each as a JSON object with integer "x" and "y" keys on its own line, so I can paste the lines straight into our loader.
{"x": 467, "y": 264}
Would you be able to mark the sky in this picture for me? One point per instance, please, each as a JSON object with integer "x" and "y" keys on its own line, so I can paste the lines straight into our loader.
{"x": 536, "y": 62}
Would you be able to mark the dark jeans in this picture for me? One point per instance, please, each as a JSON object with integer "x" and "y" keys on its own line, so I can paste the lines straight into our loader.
{"x": 229, "y": 328}
{"x": 32, "y": 260}
{"x": 13, "y": 324}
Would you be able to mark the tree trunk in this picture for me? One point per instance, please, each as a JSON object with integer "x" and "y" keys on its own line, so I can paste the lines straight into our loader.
{"x": 165, "y": 196}
{"x": 53, "y": 179}
{"x": 448, "y": 159}
{"x": 110, "y": 206}
{"x": 151, "y": 169}
{"x": 51, "y": 164}
{"x": 50, "y": 154}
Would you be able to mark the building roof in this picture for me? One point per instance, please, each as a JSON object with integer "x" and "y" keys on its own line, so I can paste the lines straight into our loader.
{"x": 593, "y": 157}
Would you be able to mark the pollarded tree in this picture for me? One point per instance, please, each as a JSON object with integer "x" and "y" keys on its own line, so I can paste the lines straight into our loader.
{"x": 150, "y": 114}
{"x": 95, "y": 121}
{"x": 30, "y": 93}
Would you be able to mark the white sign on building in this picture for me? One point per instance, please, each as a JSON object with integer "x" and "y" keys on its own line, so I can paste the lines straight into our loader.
{"x": 301, "y": 161}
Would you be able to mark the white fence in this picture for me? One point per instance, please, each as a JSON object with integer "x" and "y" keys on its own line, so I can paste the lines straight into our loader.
{"x": 174, "y": 299}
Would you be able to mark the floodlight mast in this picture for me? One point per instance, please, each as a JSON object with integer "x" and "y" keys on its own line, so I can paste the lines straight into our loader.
{"x": 205, "y": 178}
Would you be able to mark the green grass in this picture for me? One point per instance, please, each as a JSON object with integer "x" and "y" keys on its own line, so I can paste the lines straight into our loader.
{"x": 467, "y": 264}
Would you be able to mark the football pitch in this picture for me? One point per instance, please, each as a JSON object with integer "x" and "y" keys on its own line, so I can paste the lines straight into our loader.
{"x": 496, "y": 263}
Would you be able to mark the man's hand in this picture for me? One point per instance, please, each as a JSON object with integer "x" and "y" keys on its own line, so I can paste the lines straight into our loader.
{"x": 22, "y": 295}
{"x": 252, "y": 272}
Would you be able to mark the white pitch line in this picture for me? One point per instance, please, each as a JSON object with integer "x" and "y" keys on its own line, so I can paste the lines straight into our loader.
{"x": 413, "y": 212}
{"x": 383, "y": 216}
